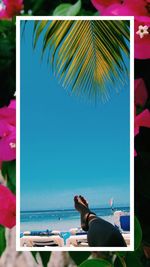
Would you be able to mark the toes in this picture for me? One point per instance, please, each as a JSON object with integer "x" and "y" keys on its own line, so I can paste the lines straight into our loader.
{"x": 80, "y": 200}
{"x": 83, "y": 200}
{"x": 76, "y": 198}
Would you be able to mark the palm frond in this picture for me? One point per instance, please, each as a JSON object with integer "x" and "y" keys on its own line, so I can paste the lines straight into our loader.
{"x": 86, "y": 56}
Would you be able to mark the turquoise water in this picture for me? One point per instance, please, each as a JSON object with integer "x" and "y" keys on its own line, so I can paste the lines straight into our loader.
{"x": 59, "y": 219}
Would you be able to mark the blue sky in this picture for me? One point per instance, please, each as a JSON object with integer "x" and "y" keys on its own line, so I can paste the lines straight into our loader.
{"x": 69, "y": 146}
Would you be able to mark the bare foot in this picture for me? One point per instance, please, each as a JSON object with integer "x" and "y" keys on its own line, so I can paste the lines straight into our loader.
{"x": 84, "y": 200}
{"x": 81, "y": 205}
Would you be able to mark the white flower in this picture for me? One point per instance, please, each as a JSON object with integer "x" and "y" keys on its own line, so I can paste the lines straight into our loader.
{"x": 143, "y": 30}
{"x": 12, "y": 145}
{"x": 22, "y": 12}
{"x": 29, "y": 12}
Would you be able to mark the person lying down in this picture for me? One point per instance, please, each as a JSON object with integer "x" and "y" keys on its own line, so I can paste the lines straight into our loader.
{"x": 100, "y": 233}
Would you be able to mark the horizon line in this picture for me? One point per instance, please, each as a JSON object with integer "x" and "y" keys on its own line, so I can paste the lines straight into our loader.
{"x": 72, "y": 209}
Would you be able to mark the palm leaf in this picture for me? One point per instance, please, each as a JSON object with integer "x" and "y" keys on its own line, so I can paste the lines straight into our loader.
{"x": 86, "y": 56}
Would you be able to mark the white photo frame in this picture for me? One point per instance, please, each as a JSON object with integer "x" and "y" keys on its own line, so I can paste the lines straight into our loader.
{"x": 131, "y": 19}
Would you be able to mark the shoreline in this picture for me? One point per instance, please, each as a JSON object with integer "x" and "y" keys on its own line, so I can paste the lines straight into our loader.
{"x": 58, "y": 225}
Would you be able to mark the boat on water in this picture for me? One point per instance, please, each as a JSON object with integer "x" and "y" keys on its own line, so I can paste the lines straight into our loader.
{"x": 121, "y": 218}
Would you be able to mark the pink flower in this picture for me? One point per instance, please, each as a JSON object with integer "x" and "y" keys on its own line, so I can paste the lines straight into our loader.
{"x": 12, "y": 104}
{"x": 7, "y": 207}
{"x": 140, "y": 98}
{"x": 9, "y": 113}
{"x": 141, "y": 120}
{"x": 138, "y": 8}
{"x": 140, "y": 93}
{"x": 101, "y": 5}
{"x": 8, "y": 132}
{"x": 10, "y": 8}
{"x": 142, "y": 44}
{"x": 7, "y": 141}
{"x": 123, "y": 8}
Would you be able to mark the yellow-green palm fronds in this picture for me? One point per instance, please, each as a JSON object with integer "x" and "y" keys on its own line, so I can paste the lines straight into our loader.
{"x": 86, "y": 56}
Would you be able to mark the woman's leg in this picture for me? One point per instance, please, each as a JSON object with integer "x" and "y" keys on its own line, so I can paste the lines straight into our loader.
{"x": 100, "y": 232}
{"x": 103, "y": 234}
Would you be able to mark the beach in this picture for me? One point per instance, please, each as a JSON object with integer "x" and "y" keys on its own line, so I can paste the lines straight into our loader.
{"x": 61, "y": 220}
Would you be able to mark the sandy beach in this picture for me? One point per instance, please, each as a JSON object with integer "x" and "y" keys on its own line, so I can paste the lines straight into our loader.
{"x": 60, "y": 225}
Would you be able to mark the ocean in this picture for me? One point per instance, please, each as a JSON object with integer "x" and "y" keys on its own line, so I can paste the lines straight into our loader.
{"x": 62, "y": 220}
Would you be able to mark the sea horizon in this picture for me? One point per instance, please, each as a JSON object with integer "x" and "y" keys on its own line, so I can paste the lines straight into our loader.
{"x": 62, "y": 219}
{"x": 72, "y": 209}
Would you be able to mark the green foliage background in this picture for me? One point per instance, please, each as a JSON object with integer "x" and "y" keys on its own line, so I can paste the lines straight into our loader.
{"x": 8, "y": 76}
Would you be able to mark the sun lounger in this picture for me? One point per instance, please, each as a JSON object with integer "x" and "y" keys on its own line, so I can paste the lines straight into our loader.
{"x": 41, "y": 241}
{"x": 77, "y": 231}
{"x": 78, "y": 238}
{"x": 126, "y": 237}
{"x": 77, "y": 241}
{"x": 38, "y": 233}
{"x": 74, "y": 238}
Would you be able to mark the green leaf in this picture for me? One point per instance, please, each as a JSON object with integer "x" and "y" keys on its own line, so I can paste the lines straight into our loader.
{"x": 34, "y": 253}
{"x": 96, "y": 263}
{"x": 45, "y": 256}
{"x": 5, "y": 25}
{"x": 121, "y": 253}
{"x": 2, "y": 240}
{"x": 85, "y": 12}
{"x": 67, "y": 9}
{"x": 132, "y": 260}
{"x": 9, "y": 173}
{"x": 96, "y": 13}
{"x": 79, "y": 256}
{"x": 39, "y": 30}
{"x": 137, "y": 234}
{"x": 119, "y": 261}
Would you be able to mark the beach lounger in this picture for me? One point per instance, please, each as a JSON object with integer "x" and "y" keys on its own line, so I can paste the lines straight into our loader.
{"x": 122, "y": 223}
{"x": 77, "y": 231}
{"x": 41, "y": 241}
{"x": 81, "y": 240}
{"x": 41, "y": 233}
{"x": 78, "y": 238}
{"x": 77, "y": 241}
{"x": 126, "y": 237}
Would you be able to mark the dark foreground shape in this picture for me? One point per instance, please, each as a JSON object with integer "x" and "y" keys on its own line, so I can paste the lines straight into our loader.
{"x": 100, "y": 232}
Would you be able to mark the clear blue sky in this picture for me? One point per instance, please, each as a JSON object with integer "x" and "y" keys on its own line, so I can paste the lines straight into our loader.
{"x": 69, "y": 146}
